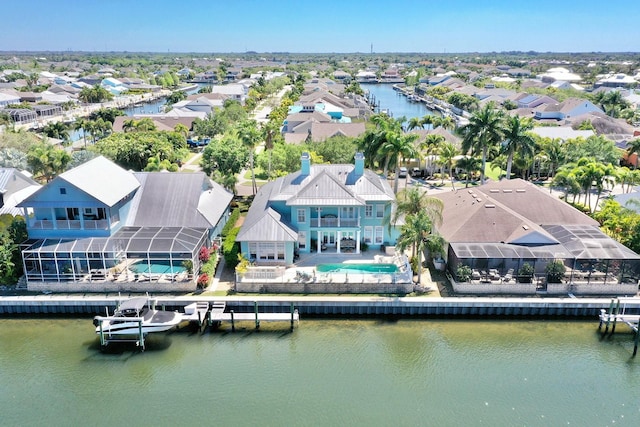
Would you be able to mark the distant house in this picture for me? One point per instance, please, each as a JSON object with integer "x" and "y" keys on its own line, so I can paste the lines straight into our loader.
{"x": 569, "y": 108}
{"x": 15, "y": 186}
{"x": 8, "y": 99}
{"x": 236, "y": 92}
{"x": 132, "y": 231}
{"x": 319, "y": 209}
{"x": 494, "y": 230}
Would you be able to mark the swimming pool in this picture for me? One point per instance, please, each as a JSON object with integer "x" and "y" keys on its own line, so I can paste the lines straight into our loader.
{"x": 357, "y": 268}
{"x": 156, "y": 268}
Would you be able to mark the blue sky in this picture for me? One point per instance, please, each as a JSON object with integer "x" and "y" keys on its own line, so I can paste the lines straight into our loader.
{"x": 313, "y": 26}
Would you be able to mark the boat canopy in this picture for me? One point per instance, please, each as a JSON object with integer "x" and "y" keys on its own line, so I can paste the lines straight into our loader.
{"x": 136, "y": 304}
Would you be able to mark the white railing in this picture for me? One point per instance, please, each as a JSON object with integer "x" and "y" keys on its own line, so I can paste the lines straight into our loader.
{"x": 335, "y": 222}
{"x": 70, "y": 224}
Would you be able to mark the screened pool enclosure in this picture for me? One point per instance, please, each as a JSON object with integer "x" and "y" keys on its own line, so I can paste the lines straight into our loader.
{"x": 131, "y": 254}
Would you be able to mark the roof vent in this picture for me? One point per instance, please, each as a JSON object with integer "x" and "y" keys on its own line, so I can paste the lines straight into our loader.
{"x": 489, "y": 206}
{"x": 521, "y": 190}
{"x": 478, "y": 199}
{"x": 525, "y": 227}
{"x": 507, "y": 191}
{"x": 494, "y": 190}
{"x": 470, "y": 191}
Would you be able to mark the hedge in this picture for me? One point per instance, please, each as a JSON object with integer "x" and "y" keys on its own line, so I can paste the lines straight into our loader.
{"x": 230, "y": 248}
{"x": 231, "y": 223}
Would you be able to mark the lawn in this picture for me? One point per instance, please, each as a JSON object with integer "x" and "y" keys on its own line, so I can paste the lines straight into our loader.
{"x": 493, "y": 173}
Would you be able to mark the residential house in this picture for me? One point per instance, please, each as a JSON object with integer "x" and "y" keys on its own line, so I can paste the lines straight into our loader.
{"x": 236, "y": 92}
{"x": 15, "y": 186}
{"x": 496, "y": 228}
{"x": 319, "y": 209}
{"x": 8, "y": 98}
{"x": 568, "y": 108}
{"x": 133, "y": 231}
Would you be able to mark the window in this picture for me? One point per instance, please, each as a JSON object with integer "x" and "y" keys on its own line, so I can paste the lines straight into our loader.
{"x": 63, "y": 190}
{"x": 302, "y": 216}
{"x": 348, "y": 212}
{"x": 379, "y": 235}
{"x": 368, "y": 234}
{"x": 302, "y": 239}
{"x": 379, "y": 211}
{"x": 368, "y": 211}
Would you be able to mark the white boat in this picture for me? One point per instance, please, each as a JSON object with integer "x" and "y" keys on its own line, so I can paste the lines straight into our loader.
{"x": 134, "y": 316}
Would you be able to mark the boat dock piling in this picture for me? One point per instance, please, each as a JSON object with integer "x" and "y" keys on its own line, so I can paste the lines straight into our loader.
{"x": 256, "y": 317}
{"x": 616, "y": 314}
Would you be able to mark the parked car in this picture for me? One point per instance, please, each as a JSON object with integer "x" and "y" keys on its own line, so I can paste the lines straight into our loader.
{"x": 415, "y": 172}
{"x": 403, "y": 172}
{"x": 195, "y": 143}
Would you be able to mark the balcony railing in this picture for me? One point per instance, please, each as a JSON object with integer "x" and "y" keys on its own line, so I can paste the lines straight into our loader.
{"x": 70, "y": 224}
{"x": 335, "y": 222}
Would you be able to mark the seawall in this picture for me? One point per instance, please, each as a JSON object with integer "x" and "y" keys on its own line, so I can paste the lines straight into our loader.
{"x": 329, "y": 306}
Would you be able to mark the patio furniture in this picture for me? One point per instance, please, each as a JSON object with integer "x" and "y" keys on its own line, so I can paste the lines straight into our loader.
{"x": 475, "y": 274}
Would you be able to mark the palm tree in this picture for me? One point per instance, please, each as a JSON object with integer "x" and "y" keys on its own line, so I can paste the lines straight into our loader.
{"x": 79, "y": 124}
{"x": 414, "y": 123}
{"x": 518, "y": 140}
{"x": 429, "y": 146}
{"x": 412, "y": 201}
{"x": 57, "y": 130}
{"x": 427, "y": 119}
{"x": 399, "y": 146}
{"x": 249, "y": 134}
{"x": 129, "y": 125}
{"x": 269, "y": 133}
{"x": 469, "y": 165}
{"x": 446, "y": 154}
{"x": 554, "y": 153}
{"x": 633, "y": 147}
{"x": 484, "y": 130}
{"x": 417, "y": 234}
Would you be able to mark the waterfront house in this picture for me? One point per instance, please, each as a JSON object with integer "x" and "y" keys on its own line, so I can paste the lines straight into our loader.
{"x": 98, "y": 227}
{"x": 15, "y": 186}
{"x": 497, "y": 228}
{"x": 568, "y": 108}
{"x": 335, "y": 209}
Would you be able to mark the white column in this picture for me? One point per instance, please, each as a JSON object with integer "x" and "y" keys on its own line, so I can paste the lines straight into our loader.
{"x": 338, "y": 235}
{"x": 358, "y": 241}
{"x": 81, "y": 215}
{"x": 319, "y": 241}
{"x": 53, "y": 219}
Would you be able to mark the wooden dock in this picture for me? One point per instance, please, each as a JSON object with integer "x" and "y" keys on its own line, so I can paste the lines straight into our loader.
{"x": 618, "y": 313}
{"x": 217, "y": 315}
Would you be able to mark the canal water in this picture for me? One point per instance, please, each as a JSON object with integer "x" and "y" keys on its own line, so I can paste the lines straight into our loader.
{"x": 325, "y": 373}
{"x": 154, "y": 107}
{"x": 394, "y": 102}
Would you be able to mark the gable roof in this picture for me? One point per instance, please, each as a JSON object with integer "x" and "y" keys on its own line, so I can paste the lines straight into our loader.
{"x": 177, "y": 200}
{"x": 325, "y": 189}
{"x": 100, "y": 178}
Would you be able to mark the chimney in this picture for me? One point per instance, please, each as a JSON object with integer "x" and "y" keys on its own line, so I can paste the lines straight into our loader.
{"x": 305, "y": 161}
{"x": 359, "y": 169}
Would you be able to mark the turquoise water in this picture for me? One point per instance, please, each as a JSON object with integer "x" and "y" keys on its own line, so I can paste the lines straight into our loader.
{"x": 156, "y": 268}
{"x": 357, "y": 268}
{"x": 325, "y": 373}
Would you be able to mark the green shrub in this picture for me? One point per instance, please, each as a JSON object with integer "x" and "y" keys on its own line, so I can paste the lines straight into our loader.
{"x": 231, "y": 223}
{"x": 463, "y": 273}
{"x": 230, "y": 248}
{"x": 555, "y": 271}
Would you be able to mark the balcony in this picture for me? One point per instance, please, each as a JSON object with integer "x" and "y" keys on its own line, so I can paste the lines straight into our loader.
{"x": 69, "y": 224}
{"x": 333, "y": 222}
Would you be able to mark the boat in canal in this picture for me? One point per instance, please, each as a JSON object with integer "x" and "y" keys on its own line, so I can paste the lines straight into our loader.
{"x": 135, "y": 317}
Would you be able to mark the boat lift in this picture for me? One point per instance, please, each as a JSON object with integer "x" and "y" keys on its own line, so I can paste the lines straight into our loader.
{"x": 618, "y": 313}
